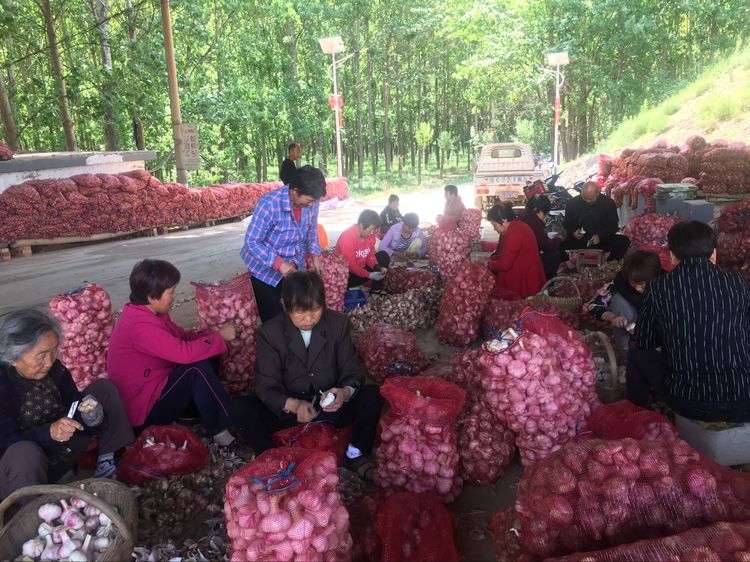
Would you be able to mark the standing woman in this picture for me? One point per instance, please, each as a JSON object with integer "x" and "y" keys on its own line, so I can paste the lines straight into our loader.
{"x": 161, "y": 369}
{"x": 282, "y": 230}
{"x": 516, "y": 263}
{"x": 39, "y": 443}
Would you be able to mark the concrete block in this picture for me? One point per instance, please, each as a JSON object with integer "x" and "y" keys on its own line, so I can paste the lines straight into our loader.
{"x": 696, "y": 210}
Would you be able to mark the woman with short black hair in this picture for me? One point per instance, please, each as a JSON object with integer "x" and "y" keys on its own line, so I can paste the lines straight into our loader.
{"x": 306, "y": 358}
{"x": 161, "y": 369}
{"x": 39, "y": 439}
{"x": 516, "y": 264}
{"x": 357, "y": 245}
{"x": 537, "y": 208}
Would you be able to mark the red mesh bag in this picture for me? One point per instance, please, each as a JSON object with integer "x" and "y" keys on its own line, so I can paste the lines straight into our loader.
{"x": 161, "y": 451}
{"x": 623, "y": 419}
{"x": 85, "y": 315}
{"x": 416, "y": 528}
{"x": 599, "y": 494}
{"x": 335, "y": 278}
{"x": 465, "y": 298}
{"x": 448, "y": 248}
{"x": 363, "y": 517}
{"x": 315, "y": 436}
{"x": 401, "y": 279}
{"x": 418, "y": 440}
{"x": 470, "y": 223}
{"x": 502, "y": 314}
{"x": 540, "y": 385}
{"x": 284, "y": 505}
{"x": 5, "y": 152}
{"x": 717, "y": 542}
{"x": 388, "y": 351}
{"x": 222, "y": 303}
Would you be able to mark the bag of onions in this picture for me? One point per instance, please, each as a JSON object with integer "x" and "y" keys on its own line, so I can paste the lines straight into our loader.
{"x": 85, "y": 315}
{"x": 318, "y": 435}
{"x": 284, "y": 506}
{"x": 363, "y": 516}
{"x": 540, "y": 383}
{"x": 717, "y": 542}
{"x": 387, "y": 351}
{"x": 501, "y": 314}
{"x": 335, "y": 278}
{"x": 504, "y": 527}
{"x": 401, "y": 279}
{"x": 623, "y": 419}
{"x": 470, "y": 223}
{"x": 599, "y": 494}
{"x": 448, "y": 248}
{"x": 161, "y": 451}
{"x": 416, "y": 528}
{"x": 465, "y": 298}
{"x": 222, "y": 303}
{"x": 418, "y": 440}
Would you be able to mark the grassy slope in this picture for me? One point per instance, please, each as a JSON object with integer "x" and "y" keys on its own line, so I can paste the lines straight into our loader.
{"x": 716, "y": 105}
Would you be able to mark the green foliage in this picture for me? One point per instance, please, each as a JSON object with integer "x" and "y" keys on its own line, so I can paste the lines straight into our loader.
{"x": 424, "y": 136}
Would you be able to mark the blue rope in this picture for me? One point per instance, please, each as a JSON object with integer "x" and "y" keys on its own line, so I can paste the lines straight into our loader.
{"x": 75, "y": 291}
{"x": 270, "y": 480}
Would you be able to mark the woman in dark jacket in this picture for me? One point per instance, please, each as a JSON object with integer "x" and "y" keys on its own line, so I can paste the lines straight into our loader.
{"x": 41, "y": 435}
{"x": 306, "y": 358}
{"x": 552, "y": 255}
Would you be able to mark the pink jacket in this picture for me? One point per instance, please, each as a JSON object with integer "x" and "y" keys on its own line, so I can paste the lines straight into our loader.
{"x": 144, "y": 349}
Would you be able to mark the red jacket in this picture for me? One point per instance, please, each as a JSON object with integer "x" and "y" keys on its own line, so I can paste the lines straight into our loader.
{"x": 516, "y": 263}
{"x": 357, "y": 252}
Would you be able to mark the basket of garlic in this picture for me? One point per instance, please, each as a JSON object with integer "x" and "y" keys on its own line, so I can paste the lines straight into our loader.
{"x": 90, "y": 520}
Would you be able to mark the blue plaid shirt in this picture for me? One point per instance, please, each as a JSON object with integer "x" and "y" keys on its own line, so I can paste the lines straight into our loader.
{"x": 274, "y": 231}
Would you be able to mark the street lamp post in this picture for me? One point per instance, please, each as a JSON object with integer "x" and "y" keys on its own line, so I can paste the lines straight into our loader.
{"x": 557, "y": 60}
{"x": 331, "y": 46}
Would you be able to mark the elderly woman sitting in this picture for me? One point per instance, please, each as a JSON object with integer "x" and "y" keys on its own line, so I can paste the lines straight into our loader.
{"x": 307, "y": 369}
{"x": 39, "y": 443}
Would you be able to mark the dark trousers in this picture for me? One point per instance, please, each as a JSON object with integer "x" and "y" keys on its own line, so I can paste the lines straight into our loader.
{"x": 268, "y": 298}
{"x": 193, "y": 385}
{"x": 616, "y": 245}
{"x": 256, "y": 422}
{"x": 551, "y": 262}
{"x": 26, "y": 463}
{"x": 384, "y": 260}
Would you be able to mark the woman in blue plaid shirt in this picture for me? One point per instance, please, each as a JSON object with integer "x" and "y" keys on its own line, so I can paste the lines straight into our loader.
{"x": 282, "y": 231}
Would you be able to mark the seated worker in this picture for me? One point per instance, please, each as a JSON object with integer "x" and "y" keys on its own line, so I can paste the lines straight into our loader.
{"x": 357, "y": 245}
{"x": 303, "y": 354}
{"x": 693, "y": 334}
{"x": 618, "y": 301}
{"x": 516, "y": 263}
{"x": 398, "y": 240}
{"x": 390, "y": 215}
{"x": 552, "y": 256}
{"x": 453, "y": 210}
{"x": 592, "y": 222}
{"x": 39, "y": 443}
{"x": 161, "y": 369}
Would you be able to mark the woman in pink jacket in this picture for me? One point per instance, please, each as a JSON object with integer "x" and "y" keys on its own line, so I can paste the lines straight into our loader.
{"x": 160, "y": 369}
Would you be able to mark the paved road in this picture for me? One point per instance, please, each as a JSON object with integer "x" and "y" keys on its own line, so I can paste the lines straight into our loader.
{"x": 205, "y": 254}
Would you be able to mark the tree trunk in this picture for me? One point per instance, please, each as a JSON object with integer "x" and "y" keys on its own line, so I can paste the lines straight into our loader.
{"x": 371, "y": 106}
{"x": 399, "y": 136}
{"x": 419, "y": 169}
{"x": 11, "y": 137}
{"x": 292, "y": 48}
{"x": 323, "y": 154}
{"x": 436, "y": 118}
{"x": 100, "y": 10}
{"x": 219, "y": 69}
{"x": 263, "y": 153}
{"x": 67, "y": 122}
{"x": 358, "y": 104}
{"x": 139, "y": 138}
{"x": 386, "y": 133}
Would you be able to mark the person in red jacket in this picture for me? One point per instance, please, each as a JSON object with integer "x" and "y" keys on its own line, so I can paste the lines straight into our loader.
{"x": 552, "y": 254}
{"x": 357, "y": 245}
{"x": 516, "y": 263}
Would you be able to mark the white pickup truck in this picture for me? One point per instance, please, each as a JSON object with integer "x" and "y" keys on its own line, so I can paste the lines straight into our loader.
{"x": 502, "y": 172}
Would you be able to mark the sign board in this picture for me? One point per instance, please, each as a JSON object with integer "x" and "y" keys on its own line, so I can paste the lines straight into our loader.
{"x": 558, "y": 59}
{"x": 191, "y": 156}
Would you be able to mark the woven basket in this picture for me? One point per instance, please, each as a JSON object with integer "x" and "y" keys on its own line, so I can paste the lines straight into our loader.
{"x": 570, "y": 304}
{"x": 106, "y": 495}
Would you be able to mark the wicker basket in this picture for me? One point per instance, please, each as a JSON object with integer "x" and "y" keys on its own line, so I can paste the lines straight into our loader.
{"x": 106, "y": 495}
{"x": 570, "y": 304}
{"x": 609, "y": 389}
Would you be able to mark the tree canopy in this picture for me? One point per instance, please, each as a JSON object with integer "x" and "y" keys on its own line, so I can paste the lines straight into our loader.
{"x": 252, "y": 75}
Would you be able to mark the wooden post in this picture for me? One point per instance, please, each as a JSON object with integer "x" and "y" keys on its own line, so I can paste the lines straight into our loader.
{"x": 174, "y": 94}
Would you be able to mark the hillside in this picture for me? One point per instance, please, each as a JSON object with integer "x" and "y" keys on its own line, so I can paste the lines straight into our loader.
{"x": 716, "y": 106}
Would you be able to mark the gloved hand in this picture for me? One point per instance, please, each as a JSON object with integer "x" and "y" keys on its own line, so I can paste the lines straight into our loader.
{"x": 376, "y": 276}
{"x": 92, "y": 412}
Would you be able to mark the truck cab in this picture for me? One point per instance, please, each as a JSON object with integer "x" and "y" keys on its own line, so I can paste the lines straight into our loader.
{"x": 502, "y": 172}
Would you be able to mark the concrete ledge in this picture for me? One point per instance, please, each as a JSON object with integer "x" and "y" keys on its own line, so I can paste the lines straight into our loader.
{"x": 24, "y": 162}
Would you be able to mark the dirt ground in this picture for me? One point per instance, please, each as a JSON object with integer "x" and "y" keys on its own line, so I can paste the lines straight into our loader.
{"x": 209, "y": 254}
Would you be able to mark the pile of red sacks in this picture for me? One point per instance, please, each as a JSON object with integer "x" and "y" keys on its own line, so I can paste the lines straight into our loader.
{"x": 88, "y": 204}
{"x": 5, "y": 152}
